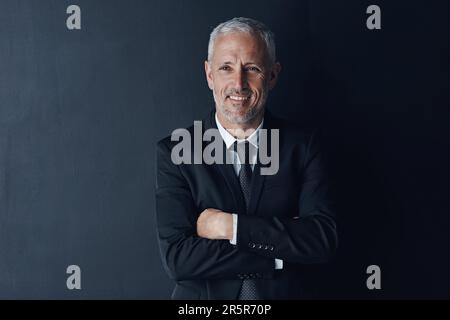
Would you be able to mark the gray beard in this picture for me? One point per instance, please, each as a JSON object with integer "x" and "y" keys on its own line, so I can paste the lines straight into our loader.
{"x": 250, "y": 115}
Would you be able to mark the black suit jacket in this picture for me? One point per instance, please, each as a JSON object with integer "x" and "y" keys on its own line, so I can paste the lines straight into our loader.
{"x": 291, "y": 217}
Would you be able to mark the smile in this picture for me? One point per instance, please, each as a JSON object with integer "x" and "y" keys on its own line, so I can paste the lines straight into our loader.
{"x": 238, "y": 98}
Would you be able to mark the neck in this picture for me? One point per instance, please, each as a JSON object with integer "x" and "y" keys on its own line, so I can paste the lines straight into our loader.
{"x": 241, "y": 130}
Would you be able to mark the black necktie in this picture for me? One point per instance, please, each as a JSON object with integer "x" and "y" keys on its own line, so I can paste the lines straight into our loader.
{"x": 249, "y": 289}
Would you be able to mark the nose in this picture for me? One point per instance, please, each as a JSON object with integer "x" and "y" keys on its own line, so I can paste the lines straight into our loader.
{"x": 240, "y": 80}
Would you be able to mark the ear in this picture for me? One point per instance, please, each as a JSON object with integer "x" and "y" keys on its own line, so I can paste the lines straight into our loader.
{"x": 273, "y": 75}
{"x": 209, "y": 77}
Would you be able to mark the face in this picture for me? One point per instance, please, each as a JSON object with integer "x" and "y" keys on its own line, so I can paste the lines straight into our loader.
{"x": 240, "y": 77}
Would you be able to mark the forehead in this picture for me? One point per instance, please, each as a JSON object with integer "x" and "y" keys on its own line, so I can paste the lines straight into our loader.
{"x": 239, "y": 45}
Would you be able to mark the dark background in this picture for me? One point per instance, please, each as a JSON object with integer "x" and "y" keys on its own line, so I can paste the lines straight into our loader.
{"x": 81, "y": 111}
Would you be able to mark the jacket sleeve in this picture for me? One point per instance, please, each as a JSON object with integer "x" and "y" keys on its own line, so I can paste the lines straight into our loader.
{"x": 186, "y": 256}
{"x": 309, "y": 237}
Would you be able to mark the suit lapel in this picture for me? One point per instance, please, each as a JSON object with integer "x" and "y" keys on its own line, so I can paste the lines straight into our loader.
{"x": 258, "y": 179}
{"x": 230, "y": 178}
{"x": 257, "y": 186}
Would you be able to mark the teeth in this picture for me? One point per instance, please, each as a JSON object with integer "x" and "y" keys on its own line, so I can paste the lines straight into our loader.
{"x": 238, "y": 98}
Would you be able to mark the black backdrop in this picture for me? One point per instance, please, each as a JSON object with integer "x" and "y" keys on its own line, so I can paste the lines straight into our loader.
{"x": 81, "y": 111}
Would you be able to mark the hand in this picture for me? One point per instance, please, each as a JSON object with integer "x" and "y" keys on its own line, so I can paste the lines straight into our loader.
{"x": 215, "y": 225}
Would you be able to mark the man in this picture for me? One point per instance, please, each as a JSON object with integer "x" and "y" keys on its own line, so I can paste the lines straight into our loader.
{"x": 225, "y": 230}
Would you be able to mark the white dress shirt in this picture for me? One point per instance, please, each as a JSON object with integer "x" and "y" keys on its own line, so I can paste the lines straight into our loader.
{"x": 253, "y": 140}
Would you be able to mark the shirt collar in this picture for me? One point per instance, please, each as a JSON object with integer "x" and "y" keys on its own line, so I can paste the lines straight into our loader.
{"x": 229, "y": 139}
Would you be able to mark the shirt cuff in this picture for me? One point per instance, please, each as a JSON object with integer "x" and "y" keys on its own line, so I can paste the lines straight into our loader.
{"x": 235, "y": 220}
{"x": 278, "y": 264}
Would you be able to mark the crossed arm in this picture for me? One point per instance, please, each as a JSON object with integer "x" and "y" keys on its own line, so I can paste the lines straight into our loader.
{"x": 215, "y": 224}
{"x": 185, "y": 254}
{"x": 197, "y": 246}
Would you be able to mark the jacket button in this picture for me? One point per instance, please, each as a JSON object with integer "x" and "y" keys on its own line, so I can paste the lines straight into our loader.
{"x": 271, "y": 248}
{"x": 260, "y": 246}
{"x": 251, "y": 245}
{"x": 266, "y": 247}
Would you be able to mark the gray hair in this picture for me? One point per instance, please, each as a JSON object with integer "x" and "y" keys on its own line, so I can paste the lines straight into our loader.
{"x": 244, "y": 25}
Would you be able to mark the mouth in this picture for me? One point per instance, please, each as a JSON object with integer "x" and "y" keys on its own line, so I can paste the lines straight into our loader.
{"x": 238, "y": 98}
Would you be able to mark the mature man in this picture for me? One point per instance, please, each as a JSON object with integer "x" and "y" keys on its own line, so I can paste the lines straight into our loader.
{"x": 225, "y": 230}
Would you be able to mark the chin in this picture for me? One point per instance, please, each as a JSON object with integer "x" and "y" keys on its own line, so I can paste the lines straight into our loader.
{"x": 239, "y": 118}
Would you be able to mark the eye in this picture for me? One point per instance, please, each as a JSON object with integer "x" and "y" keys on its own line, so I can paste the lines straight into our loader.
{"x": 225, "y": 68}
{"x": 253, "y": 69}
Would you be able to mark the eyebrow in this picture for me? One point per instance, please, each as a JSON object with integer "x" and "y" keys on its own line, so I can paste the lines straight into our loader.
{"x": 229, "y": 62}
